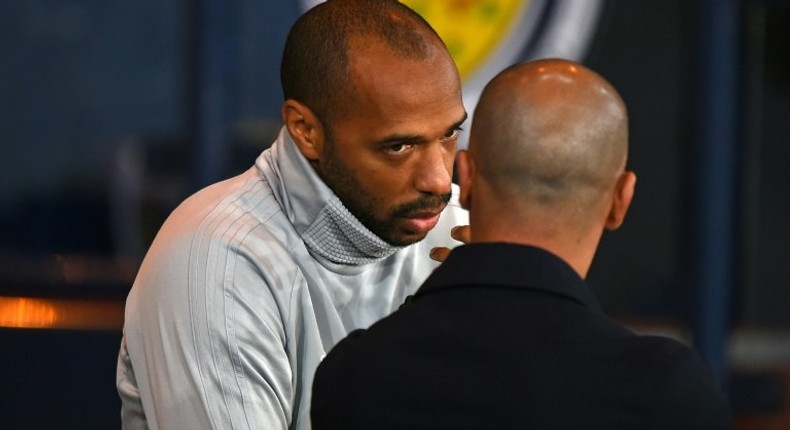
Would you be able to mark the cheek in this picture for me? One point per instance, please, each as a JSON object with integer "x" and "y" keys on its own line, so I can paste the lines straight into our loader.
{"x": 385, "y": 185}
{"x": 387, "y": 189}
{"x": 449, "y": 162}
{"x": 376, "y": 176}
{"x": 381, "y": 185}
{"x": 450, "y": 151}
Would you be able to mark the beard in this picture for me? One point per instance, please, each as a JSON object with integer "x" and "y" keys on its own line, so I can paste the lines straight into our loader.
{"x": 363, "y": 205}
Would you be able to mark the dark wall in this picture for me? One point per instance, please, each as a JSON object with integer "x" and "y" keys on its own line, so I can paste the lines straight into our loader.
{"x": 84, "y": 84}
{"x": 650, "y": 51}
{"x": 55, "y": 379}
{"x": 642, "y": 49}
{"x": 76, "y": 77}
{"x": 765, "y": 206}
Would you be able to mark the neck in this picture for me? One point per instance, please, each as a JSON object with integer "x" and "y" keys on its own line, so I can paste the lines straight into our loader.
{"x": 575, "y": 248}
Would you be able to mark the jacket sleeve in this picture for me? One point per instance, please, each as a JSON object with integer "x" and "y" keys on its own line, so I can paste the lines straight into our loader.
{"x": 208, "y": 350}
{"x": 688, "y": 398}
{"x": 328, "y": 410}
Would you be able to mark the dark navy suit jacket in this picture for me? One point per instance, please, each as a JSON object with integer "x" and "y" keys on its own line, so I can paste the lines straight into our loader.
{"x": 507, "y": 336}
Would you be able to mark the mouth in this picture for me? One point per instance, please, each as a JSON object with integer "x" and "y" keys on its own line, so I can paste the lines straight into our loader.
{"x": 424, "y": 220}
{"x": 427, "y": 214}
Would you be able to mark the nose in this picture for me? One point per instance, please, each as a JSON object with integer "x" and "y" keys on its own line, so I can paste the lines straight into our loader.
{"x": 435, "y": 168}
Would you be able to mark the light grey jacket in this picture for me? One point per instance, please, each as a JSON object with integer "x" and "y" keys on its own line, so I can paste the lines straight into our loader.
{"x": 246, "y": 287}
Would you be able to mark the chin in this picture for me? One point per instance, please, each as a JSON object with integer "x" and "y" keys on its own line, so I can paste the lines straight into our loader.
{"x": 405, "y": 239}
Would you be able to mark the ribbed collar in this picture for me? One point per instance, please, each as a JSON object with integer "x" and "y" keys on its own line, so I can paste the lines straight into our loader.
{"x": 506, "y": 265}
{"x": 328, "y": 229}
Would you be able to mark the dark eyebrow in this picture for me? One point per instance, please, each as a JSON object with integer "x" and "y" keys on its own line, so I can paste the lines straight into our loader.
{"x": 458, "y": 123}
{"x": 417, "y": 138}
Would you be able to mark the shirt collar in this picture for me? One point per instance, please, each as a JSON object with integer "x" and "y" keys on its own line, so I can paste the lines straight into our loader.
{"x": 328, "y": 229}
{"x": 510, "y": 266}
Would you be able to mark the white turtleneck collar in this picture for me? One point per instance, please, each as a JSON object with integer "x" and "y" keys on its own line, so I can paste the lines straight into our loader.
{"x": 328, "y": 229}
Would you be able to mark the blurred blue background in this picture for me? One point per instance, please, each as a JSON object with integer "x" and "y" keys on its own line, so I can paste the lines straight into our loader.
{"x": 113, "y": 112}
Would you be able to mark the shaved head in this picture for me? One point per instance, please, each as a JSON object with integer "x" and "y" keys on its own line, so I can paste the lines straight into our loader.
{"x": 323, "y": 43}
{"x": 550, "y": 134}
{"x": 546, "y": 160}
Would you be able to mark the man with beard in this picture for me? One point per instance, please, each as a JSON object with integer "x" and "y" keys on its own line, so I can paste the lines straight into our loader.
{"x": 251, "y": 280}
{"x": 506, "y": 334}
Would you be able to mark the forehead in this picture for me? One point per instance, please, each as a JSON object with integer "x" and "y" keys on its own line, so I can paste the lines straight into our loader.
{"x": 394, "y": 91}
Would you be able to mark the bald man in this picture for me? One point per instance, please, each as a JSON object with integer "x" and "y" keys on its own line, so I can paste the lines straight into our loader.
{"x": 506, "y": 334}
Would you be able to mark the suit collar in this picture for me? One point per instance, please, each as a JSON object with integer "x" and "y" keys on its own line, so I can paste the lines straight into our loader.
{"x": 506, "y": 265}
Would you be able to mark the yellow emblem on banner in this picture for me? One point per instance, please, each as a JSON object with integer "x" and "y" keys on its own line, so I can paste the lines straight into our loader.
{"x": 471, "y": 29}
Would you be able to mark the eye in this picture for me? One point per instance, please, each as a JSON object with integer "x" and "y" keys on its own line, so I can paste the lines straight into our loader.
{"x": 452, "y": 134}
{"x": 398, "y": 148}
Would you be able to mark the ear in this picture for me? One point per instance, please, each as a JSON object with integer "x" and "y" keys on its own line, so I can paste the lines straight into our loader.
{"x": 623, "y": 194}
{"x": 466, "y": 170}
{"x": 305, "y": 128}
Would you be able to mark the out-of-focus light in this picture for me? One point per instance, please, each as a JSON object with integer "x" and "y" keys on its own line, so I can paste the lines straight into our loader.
{"x": 26, "y": 312}
{"x": 23, "y": 312}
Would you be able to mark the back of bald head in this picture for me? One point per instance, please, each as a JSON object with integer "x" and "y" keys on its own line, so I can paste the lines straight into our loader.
{"x": 318, "y": 50}
{"x": 549, "y": 134}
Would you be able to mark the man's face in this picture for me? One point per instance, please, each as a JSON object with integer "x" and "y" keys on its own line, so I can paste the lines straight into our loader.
{"x": 390, "y": 158}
